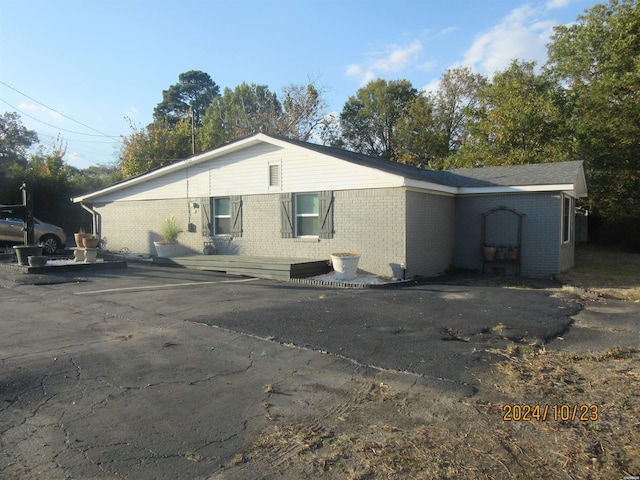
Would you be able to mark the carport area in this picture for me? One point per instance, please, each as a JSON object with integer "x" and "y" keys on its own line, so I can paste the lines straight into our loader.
{"x": 158, "y": 372}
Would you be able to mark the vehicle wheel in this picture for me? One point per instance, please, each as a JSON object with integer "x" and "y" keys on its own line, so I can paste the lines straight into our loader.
{"x": 50, "y": 244}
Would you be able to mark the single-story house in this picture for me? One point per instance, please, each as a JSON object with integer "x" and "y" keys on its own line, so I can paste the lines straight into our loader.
{"x": 270, "y": 196}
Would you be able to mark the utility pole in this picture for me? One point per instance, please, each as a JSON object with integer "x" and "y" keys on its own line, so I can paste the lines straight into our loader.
{"x": 193, "y": 133}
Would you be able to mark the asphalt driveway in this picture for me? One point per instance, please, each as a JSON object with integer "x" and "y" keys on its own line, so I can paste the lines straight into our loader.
{"x": 155, "y": 372}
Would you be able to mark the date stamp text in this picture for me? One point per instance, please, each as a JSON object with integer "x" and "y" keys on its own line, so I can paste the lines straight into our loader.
{"x": 542, "y": 413}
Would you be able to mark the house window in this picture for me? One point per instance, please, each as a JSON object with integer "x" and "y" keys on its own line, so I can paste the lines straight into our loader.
{"x": 567, "y": 215}
{"x": 307, "y": 215}
{"x": 221, "y": 216}
{"x": 274, "y": 175}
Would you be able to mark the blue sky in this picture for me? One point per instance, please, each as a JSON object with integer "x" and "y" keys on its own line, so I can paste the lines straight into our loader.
{"x": 80, "y": 68}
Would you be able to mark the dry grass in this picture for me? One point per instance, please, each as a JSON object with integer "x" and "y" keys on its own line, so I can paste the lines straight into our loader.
{"x": 610, "y": 272}
{"x": 379, "y": 432}
{"x": 386, "y": 434}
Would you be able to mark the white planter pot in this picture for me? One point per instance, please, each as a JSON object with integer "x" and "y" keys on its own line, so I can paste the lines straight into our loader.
{"x": 166, "y": 249}
{"x": 345, "y": 265}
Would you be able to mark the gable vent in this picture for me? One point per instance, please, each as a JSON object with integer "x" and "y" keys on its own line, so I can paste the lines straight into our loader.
{"x": 274, "y": 175}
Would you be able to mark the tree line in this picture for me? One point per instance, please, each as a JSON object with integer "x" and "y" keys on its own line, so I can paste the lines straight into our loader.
{"x": 582, "y": 104}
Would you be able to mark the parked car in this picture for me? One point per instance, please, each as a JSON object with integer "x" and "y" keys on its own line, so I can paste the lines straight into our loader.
{"x": 51, "y": 237}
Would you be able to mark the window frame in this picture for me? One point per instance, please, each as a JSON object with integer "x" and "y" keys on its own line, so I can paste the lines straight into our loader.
{"x": 566, "y": 220}
{"x": 297, "y": 215}
{"x": 215, "y": 216}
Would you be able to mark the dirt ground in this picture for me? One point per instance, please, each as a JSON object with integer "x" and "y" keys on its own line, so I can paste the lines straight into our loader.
{"x": 521, "y": 425}
{"x": 537, "y": 414}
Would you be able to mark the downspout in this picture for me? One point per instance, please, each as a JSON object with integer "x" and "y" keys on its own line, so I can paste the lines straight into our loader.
{"x": 95, "y": 216}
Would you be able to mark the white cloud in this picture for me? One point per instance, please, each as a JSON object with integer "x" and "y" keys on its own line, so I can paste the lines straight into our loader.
{"x": 35, "y": 108}
{"x": 399, "y": 58}
{"x": 432, "y": 86}
{"x": 554, "y": 4}
{"x": 521, "y": 34}
{"x": 446, "y": 31}
{"x": 394, "y": 59}
{"x": 73, "y": 157}
{"x": 28, "y": 106}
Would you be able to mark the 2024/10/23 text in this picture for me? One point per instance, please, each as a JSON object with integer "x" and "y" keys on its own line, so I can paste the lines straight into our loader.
{"x": 529, "y": 413}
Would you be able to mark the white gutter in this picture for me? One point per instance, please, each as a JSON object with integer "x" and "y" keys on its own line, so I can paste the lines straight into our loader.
{"x": 515, "y": 189}
{"x": 94, "y": 217}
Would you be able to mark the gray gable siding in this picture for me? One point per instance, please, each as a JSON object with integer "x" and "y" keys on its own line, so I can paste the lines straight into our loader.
{"x": 540, "y": 254}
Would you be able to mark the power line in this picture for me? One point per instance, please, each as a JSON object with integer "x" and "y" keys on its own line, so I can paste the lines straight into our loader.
{"x": 57, "y": 127}
{"x": 56, "y": 111}
{"x": 80, "y": 146}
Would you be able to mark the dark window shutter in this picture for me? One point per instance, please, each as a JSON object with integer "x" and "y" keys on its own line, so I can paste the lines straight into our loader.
{"x": 236, "y": 216}
{"x": 325, "y": 203}
{"x": 205, "y": 211}
{"x": 286, "y": 215}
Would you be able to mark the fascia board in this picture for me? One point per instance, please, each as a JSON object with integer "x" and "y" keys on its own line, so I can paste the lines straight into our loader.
{"x": 581, "y": 184}
{"x": 515, "y": 189}
{"x": 434, "y": 187}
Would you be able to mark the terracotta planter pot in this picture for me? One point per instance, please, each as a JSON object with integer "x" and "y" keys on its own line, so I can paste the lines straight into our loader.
{"x": 511, "y": 256}
{"x": 79, "y": 237}
{"x": 489, "y": 253}
{"x": 90, "y": 242}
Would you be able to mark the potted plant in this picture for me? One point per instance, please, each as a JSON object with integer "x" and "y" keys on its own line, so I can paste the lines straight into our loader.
{"x": 169, "y": 232}
{"x": 345, "y": 265}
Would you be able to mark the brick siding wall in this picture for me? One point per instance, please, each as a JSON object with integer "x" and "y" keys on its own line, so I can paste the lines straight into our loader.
{"x": 540, "y": 249}
{"x": 430, "y": 233}
{"x": 369, "y": 222}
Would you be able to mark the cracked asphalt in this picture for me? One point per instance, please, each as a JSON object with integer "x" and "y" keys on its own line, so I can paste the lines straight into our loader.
{"x": 161, "y": 373}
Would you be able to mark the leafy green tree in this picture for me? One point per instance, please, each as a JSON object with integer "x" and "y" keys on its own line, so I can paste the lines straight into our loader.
{"x": 15, "y": 139}
{"x": 247, "y": 109}
{"x": 193, "y": 93}
{"x": 15, "y": 142}
{"x": 520, "y": 119}
{"x": 370, "y": 118}
{"x": 597, "y": 60}
{"x": 420, "y": 140}
{"x": 154, "y": 146}
{"x": 49, "y": 174}
{"x": 458, "y": 94}
{"x": 436, "y": 124}
{"x": 93, "y": 178}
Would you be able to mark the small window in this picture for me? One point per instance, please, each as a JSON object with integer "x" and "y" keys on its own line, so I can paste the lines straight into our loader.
{"x": 567, "y": 214}
{"x": 221, "y": 216}
{"x": 307, "y": 215}
{"x": 274, "y": 175}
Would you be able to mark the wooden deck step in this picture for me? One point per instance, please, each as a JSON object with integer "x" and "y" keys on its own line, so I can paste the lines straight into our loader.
{"x": 261, "y": 267}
